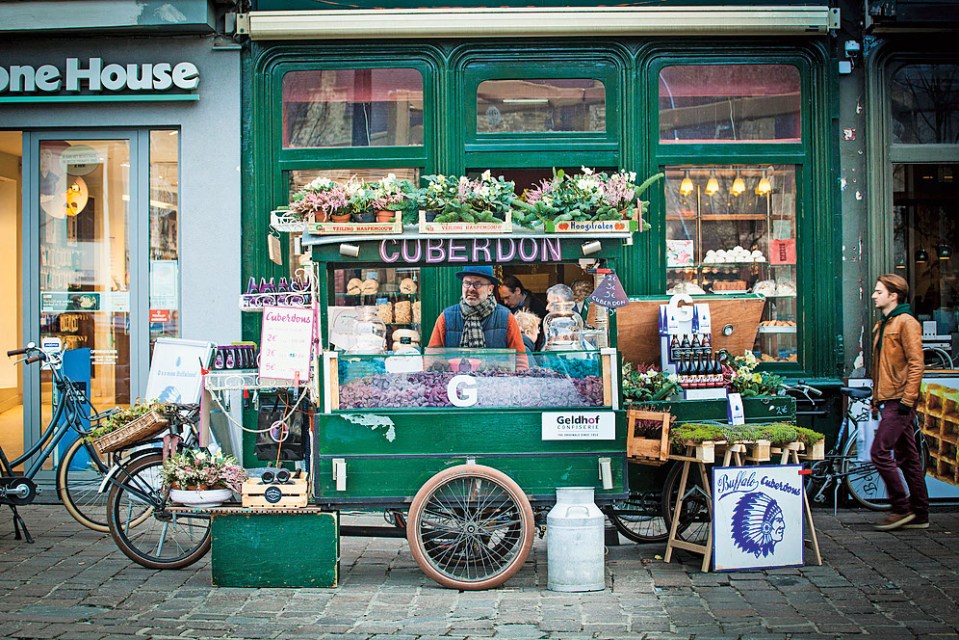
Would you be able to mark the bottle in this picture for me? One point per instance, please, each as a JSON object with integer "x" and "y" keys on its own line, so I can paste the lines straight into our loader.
{"x": 674, "y": 349}
{"x": 707, "y": 343}
{"x": 694, "y": 345}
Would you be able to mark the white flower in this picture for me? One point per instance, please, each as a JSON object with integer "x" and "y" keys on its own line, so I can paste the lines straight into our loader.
{"x": 486, "y": 174}
{"x": 586, "y": 171}
{"x": 390, "y": 178}
{"x": 632, "y": 176}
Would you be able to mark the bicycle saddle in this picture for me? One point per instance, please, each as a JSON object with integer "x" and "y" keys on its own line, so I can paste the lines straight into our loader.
{"x": 856, "y": 393}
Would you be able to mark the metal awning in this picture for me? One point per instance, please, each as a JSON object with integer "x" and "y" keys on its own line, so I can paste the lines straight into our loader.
{"x": 494, "y": 22}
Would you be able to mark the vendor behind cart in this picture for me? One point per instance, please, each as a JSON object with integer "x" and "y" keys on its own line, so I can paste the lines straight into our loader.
{"x": 478, "y": 322}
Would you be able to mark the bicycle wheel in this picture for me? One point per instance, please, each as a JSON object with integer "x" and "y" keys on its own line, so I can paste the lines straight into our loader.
{"x": 164, "y": 539}
{"x": 470, "y": 527}
{"x": 695, "y": 518}
{"x": 79, "y": 475}
{"x": 863, "y": 481}
{"x": 640, "y": 518}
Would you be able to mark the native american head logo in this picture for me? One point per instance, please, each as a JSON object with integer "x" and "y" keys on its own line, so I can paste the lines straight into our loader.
{"x": 758, "y": 524}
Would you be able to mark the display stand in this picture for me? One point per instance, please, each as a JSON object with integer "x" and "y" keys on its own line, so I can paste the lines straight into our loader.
{"x": 736, "y": 454}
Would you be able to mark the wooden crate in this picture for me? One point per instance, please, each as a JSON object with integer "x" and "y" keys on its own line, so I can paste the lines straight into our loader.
{"x": 295, "y": 493}
{"x": 815, "y": 451}
{"x": 643, "y": 450}
{"x": 298, "y": 549}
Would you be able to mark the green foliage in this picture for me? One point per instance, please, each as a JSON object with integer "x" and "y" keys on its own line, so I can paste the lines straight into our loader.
{"x": 696, "y": 432}
{"x": 587, "y": 196}
{"x": 808, "y": 436}
{"x": 122, "y": 417}
{"x": 646, "y": 383}
{"x": 777, "y": 433}
{"x": 747, "y": 382}
{"x": 459, "y": 199}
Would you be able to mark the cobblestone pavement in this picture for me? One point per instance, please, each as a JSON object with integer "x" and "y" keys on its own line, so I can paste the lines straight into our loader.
{"x": 74, "y": 583}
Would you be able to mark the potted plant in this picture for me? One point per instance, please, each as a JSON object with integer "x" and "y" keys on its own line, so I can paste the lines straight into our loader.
{"x": 460, "y": 199}
{"x": 199, "y": 478}
{"x": 389, "y": 196}
{"x": 744, "y": 380}
{"x": 319, "y": 201}
{"x": 359, "y": 196}
{"x": 587, "y": 196}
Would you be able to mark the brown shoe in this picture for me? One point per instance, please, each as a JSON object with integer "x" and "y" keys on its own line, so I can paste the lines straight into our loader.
{"x": 895, "y": 520}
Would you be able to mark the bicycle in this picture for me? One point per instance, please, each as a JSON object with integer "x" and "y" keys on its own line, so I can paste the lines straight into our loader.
{"x": 145, "y": 525}
{"x": 647, "y": 515}
{"x": 841, "y": 465}
{"x": 81, "y": 469}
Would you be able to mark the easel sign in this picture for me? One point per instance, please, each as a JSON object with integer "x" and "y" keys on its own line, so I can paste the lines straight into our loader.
{"x": 175, "y": 374}
{"x": 285, "y": 345}
{"x": 757, "y": 517}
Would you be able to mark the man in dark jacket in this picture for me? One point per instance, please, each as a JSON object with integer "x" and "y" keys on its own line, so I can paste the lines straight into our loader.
{"x": 478, "y": 322}
{"x": 896, "y": 378}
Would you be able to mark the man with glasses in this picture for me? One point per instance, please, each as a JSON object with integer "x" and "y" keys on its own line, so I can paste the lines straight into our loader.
{"x": 477, "y": 322}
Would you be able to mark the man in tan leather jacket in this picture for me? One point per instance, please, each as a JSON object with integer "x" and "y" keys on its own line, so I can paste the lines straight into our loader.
{"x": 897, "y": 367}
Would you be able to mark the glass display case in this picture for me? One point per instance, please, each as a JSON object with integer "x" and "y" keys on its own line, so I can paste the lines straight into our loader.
{"x": 394, "y": 293}
{"x": 732, "y": 229}
{"x": 480, "y": 378}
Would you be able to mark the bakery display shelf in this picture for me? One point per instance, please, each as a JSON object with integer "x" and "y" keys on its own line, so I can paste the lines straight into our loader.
{"x": 402, "y": 324}
{"x": 763, "y": 329}
{"x": 380, "y": 294}
{"x": 729, "y": 292}
{"x": 713, "y": 265}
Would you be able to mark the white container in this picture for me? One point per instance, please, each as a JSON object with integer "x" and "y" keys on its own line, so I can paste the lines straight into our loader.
{"x": 575, "y": 543}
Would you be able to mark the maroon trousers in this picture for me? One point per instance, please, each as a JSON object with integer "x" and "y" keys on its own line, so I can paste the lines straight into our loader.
{"x": 894, "y": 449}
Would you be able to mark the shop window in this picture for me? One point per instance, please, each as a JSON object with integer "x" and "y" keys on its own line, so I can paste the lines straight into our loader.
{"x": 545, "y": 105}
{"x": 352, "y": 108}
{"x": 732, "y": 229}
{"x": 164, "y": 238}
{"x": 925, "y": 104}
{"x": 729, "y": 103}
{"x": 926, "y": 235}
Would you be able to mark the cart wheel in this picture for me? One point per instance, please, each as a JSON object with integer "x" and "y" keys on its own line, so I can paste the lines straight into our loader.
{"x": 470, "y": 527}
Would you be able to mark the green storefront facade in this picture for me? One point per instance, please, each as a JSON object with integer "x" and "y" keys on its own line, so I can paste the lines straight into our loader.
{"x": 632, "y": 64}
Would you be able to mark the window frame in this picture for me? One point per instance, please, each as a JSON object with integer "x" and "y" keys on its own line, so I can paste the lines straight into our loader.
{"x": 818, "y": 337}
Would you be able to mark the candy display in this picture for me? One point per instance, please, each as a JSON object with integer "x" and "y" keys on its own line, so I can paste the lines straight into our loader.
{"x": 536, "y": 387}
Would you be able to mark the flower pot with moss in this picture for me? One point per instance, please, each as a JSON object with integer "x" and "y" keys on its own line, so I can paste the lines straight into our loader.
{"x": 340, "y": 217}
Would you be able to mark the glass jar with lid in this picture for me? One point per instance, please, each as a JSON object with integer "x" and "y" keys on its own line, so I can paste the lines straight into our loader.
{"x": 369, "y": 333}
{"x": 563, "y": 327}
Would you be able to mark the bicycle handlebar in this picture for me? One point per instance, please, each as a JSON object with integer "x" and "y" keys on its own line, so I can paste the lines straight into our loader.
{"x": 17, "y": 352}
{"x": 35, "y": 358}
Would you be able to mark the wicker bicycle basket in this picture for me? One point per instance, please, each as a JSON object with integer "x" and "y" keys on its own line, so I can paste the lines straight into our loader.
{"x": 132, "y": 432}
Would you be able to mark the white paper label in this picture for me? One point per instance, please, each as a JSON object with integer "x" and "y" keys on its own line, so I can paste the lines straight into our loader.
{"x": 579, "y": 425}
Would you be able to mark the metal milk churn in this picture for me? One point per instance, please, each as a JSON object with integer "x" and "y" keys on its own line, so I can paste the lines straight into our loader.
{"x": 575, "y": 542}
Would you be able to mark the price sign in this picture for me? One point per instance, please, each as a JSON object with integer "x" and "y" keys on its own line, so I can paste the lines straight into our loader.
{"x": 610, "y": 293}
{"x": 285, "y": 344}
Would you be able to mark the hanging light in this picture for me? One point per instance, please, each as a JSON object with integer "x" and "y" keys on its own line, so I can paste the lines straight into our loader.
{"x": 739, "y": 186}
{"x": 944, "y": 252}
{"x": 922, "y": 257}
{"x": 764, "y": 187}
{"x": 712, "y": 187}
{"x": 686, "y": 186}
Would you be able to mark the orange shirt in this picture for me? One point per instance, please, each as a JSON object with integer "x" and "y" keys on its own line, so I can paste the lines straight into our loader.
{"x": 514, "y": 339}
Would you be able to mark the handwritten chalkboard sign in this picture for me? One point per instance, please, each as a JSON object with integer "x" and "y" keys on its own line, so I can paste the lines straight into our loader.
{"x": 610, "y": 293}
{"x": 285, "y": 344}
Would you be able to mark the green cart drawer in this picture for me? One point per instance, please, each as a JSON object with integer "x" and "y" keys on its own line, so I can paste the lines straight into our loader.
{"x": 261, "y": 549}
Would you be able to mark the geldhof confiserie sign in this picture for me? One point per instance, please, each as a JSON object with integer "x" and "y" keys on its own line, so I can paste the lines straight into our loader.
{"x": 285, "y": 344}
{"x": 579, "y": 425}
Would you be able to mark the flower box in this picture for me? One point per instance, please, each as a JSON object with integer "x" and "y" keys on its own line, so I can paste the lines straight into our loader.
{"x": 651, "y": 451}
{"x": 356, "y": 228}
{"x": 592, "y": 226}
{"x": 506, "y": 226}
{"x": 146, "y": 426}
